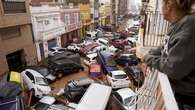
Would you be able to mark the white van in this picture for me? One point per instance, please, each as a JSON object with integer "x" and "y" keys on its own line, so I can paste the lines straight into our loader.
{"x": 95, "y": 98}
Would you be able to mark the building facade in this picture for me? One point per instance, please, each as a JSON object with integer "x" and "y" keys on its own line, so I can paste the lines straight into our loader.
{"x": 85, "y": 15}
{"x": 94, "y": 5}
{"x": 105, "y": 12}
{"x": 123, "y": 7}
{"x": 70, "y": 17}
{"x": 16, "y": 42}
{"x": 47, "y": 28}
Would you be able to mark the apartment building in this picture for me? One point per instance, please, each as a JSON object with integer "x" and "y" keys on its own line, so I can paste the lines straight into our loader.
{"x": 47, "y": 28}
{"x": 123, "y": 7}
{"x": 70, "y": 17}
{"x": 16, "y": 41}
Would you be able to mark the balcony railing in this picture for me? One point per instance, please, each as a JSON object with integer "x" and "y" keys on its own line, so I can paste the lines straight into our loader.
{"x": 155, "y": 94}
{"x": 11, "y": 7}
{"x": 155, "y": 29}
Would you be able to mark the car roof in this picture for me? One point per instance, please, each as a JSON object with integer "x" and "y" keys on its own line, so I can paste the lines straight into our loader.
{"x": 34, "y": 73}
{"x": 118, "y": 72}
{"x": 125, "y": 93}
{"x": 92, "y": 55}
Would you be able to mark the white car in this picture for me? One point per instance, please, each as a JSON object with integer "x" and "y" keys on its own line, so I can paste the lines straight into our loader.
{"x": 98, "y": 48}
{"x": 56, "y": 50}
{"x": 112, "y": 49}
{"x": 125, "y": 98}
{"x": 74, "y": 47}
{"x": 90, "y": 59}
{"x": 91, "y": 34}
{"x": 36, "y": 83}
{"x": 118, "y": 79}
{"x": 102, "y": 41}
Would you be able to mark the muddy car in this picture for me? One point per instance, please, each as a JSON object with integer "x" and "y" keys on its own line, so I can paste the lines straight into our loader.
{"x": 127, "y": 59}
{"x": 75, "y": 89}
{"x": 135, "y": 74}
{"x": 64, "y": 66}
{"x": 105, "y": 59}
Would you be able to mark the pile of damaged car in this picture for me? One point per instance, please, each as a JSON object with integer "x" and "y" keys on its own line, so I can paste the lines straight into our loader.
{"x": 90, "y": 73}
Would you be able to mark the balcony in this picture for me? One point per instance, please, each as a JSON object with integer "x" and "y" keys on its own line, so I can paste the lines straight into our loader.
{"x": 156, "y": 93}
{"x": 153, "y": 32}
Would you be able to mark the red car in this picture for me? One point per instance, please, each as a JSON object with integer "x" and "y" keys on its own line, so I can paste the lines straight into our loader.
{"x": 119, "y": 43}
{"x": 95, "y": 71}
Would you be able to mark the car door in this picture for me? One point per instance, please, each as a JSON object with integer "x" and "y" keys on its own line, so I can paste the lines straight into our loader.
{"x": 30, "y": 80}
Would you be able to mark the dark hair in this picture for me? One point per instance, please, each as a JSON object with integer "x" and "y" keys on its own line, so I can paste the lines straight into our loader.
{"x": 184, "y": 5}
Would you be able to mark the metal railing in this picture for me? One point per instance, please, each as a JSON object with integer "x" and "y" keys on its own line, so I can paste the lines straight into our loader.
{"x": 155, "y": 94}
{"x": 155, "y": 29}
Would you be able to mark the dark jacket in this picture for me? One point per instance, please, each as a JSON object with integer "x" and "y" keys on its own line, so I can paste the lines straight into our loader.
{"x": 177, "y": 57}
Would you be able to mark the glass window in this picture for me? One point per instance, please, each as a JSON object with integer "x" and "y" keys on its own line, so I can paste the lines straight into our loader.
{"x": 41, "y": 81}
{"x": 30, "y": 76}
{"x": 118, "y": 97}
{"x": 120, "y": 76}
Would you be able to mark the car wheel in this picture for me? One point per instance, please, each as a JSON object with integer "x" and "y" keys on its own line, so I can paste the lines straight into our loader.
{"x": 59, "y": 75}
{"x": 82, "y": 69}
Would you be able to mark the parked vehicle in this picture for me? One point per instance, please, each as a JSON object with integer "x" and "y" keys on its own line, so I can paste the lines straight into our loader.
{"x": 12, "y": 103}
{"x": 88, "y": 48}
{"x": 124, "y": 98}
{"x": 131, "y": 41}
{"x": 135, "y": 74}
{"x": 106, "y": 61}
{"x": 127, "y": 59}
{"x": 102, "y": 41}
{"x": 74, "y": 47}
{"x": 35, "y": 82}
{"x": 98, "y": 100}
{"x": 90, "y": 59}
{"x": 43, "y": 71}
{"x": 75, "y": 89}
{"x": 95, "y": 71}
{"x": 118, "y": 79}
{"x": 56, "y": 50}
{"x": 91, "y": 35}
{"x": 66, "y": 55}
{"x": 44, "y": 103}
{"x": 50, "y": 103}
{"x": 64, "y": 66}
{"x": 118, "y": 43}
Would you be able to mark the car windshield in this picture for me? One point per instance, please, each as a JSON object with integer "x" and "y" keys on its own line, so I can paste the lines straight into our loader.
{"x": 128, "y": 101}
{"x": 41, "y": 81}
{"x": 120, "y": 76}
{"x": 43, "y": 71}
{"x": 52, "y": 49}
{"x": 61, "y": 50}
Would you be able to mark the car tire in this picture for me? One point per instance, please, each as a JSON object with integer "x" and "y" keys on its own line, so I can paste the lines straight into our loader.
{"x": 82, "y": 69}
{"x": 59, "y": 75}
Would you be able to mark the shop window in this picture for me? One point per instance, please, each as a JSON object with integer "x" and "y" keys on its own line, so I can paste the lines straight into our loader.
{"x": 10, "y": 32}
